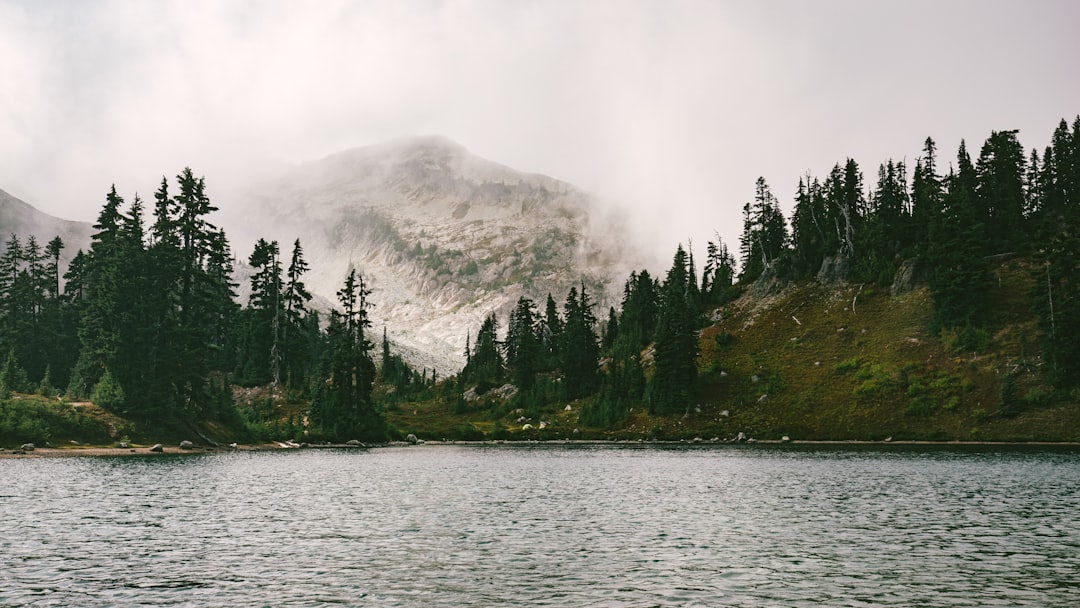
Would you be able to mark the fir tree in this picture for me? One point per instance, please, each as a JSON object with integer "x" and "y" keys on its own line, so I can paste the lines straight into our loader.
{"x": 672, "y": 387}
{"x": 523, "y": 347}
{"x": 580, "y": 350}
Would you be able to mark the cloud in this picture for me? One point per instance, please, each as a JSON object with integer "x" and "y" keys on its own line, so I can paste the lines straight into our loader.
{"x": 670, "y": 110}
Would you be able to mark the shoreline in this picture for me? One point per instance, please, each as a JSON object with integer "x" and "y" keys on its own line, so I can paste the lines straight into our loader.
{"x": 143, "y": 450}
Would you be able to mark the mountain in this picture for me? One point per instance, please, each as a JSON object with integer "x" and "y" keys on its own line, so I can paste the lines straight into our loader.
{"x": 441, "y": 236}
{"x": 22, "y": 220}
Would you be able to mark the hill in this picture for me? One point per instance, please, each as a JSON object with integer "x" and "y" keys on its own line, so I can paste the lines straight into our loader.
{"x": 818, "y": 362}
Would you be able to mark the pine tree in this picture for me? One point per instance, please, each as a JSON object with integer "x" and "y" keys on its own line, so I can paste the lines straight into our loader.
{"x": 484, "y": 365}
{"x": 99, "y": 331}
{"x": 719, "y": 275}
{"x": 764, "y": 236}
{"x": 344, "y": 407}
{"x": 959, "y": 279}
{"x": 580, "y": 350}
{"x": 1000, "y": 175}
{"x": 1057, "y": 273}
{"x": 672, "y": 387}
{"x": 296, "y": 356}
{"x": 260, "y": 356}
{"x": 640, "y": 307}
{"x": 550, "y": 335}
{"x": 926, "y": 196}
{"x": 523, "y": 346}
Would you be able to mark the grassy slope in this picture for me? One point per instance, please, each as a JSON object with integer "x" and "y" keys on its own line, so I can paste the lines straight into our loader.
{"x": 858, "y": 364}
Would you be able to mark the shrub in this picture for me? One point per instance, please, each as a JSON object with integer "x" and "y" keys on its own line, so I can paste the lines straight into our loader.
{"x": 724, "y": 340}
{"x": 1038, "y": 397}
{"x": 920, "y": 406}
{"x": 108, "y": 393}
{"x": 847, "y": 365}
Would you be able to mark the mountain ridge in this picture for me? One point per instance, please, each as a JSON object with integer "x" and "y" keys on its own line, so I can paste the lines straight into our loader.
{"x": 443, "y": 237}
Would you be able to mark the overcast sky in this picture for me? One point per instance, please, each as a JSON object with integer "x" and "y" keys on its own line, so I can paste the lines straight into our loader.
{"x": 669, "y": 109}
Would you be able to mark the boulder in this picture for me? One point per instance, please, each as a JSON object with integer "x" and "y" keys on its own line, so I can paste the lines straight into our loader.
{"x": 833, "y": 270}
{"x": 906, "y": 278}
{"x": 354, "y": 443}
{"x": 157, "y": 448}
{"x": 767, "y": 284}
{"x": 27, "y": 447}
{"x": 412, "y": 439}
{"x": 186, "y": 445}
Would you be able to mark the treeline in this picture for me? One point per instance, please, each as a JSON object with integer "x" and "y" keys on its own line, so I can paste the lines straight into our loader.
{"x": 146, "y": 323}
{"x": 946, "y": 228}
{"x": 572, "y": 355}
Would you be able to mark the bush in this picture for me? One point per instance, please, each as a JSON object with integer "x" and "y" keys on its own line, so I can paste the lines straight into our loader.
{"x": 108, "y": 393}
{"x": 724, "y": 340}
{"x": 1038, "y": 397}
{"x": 847, "y": 365}
{"x": 965, "y": 339}
{"x": 920, "y": 406}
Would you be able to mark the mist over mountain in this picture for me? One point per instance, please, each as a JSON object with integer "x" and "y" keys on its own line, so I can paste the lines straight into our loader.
{"x": 23, "y": 220}
{"x": 442, "y": 236}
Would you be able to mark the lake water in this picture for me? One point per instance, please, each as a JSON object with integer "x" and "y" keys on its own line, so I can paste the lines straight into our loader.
{"x": 547, "y": 526}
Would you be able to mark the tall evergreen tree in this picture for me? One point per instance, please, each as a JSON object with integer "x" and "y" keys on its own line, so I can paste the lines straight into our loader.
{"x": 484, "y": 365}
{"x": 580, "y": 350}
{"x": 344, "y": 407}
{"x": 1000, "y": 190}
{"x": 673, "y": 384}
{"x": 926, "y": 196}
{"x": 764, "y": 235}
{"x": 1057, "y": 273}
{"x": 959, "y": 279}
{"x": 523, "y": 346}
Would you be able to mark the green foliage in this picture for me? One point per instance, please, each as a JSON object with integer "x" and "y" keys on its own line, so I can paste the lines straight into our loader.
{"x": 724, "y": 340}
{"x": 12, "y": 376}
{"x": 673, "y": 383}
{"x": 579, "y": 351}
{"x": 36, "y": 420}
{"x": 108, "y": 393}
{"x": 764, "y": 237}
{"x": 343, "y": 407}
{"x": 847, "y": 365}
{"x": 966, "y": 339}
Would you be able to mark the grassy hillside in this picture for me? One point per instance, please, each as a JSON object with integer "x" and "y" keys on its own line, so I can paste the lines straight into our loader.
{"x": 826, "y": 363}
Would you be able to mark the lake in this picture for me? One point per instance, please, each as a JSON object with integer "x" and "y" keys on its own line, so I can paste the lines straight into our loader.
{"x": 546, "y": 525}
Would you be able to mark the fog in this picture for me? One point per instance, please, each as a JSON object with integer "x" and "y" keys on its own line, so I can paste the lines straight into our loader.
{"x": 667, "y": 110}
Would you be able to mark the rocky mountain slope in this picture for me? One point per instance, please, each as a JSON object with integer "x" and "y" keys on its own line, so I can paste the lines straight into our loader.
{"x": 23, "y": 220}
{"x": 442, "y": 237}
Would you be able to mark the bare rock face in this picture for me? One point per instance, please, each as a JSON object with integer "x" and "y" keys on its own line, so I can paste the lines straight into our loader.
{"x": 833, "y": 270}
{"x": 906, "y": 278}
{"x": 441, "y": 237}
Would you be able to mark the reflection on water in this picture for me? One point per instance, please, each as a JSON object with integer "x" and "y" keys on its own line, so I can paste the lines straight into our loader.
{"x": 540, "y": 525}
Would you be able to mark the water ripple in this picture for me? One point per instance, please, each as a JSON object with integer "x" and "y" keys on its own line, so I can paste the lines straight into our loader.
{"x": 545, "y": 526}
